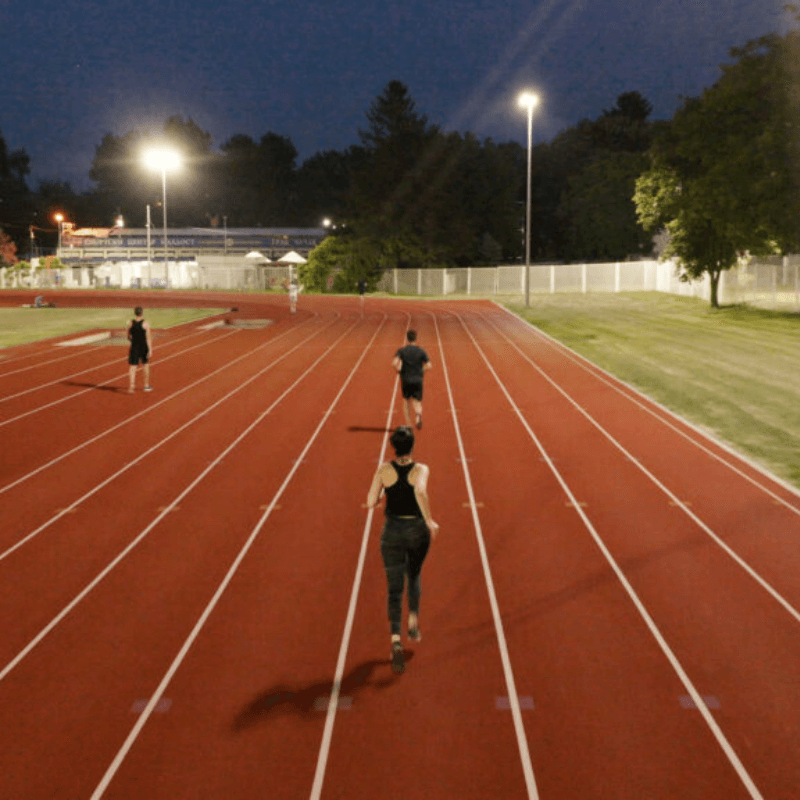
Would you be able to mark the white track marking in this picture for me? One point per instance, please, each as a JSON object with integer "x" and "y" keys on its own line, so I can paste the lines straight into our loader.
{"x": 516, "y": 713}
{"x": 114, "y": 362}
{"x": 723, "y": 742}
{"x": 66, "y": 357}
{"x": 164, "y": 512}
{"x": 121, "y": 376}
{"x": 75, "y": 503}
{"x": 147, "y": 410}
{"x": 333, "y": 700}
{"x": 77, "y": 352}
{"x": 173, "y": 668}
{"x": 787, "y": 606}
{"x": 615, "y": 384}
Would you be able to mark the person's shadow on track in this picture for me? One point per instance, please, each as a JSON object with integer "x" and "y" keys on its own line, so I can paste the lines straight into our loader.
{"x": 312, "y": 699}
{"x": 102, "y": 387}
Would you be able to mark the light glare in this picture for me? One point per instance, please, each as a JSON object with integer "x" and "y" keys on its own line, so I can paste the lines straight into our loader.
{"x": 161, "y": 158}
{"x": 528, "y": 100}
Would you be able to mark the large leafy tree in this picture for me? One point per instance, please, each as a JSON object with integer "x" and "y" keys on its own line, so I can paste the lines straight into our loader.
{"x": 125, "y": 185}
{"x": 724, "y": 176}
{"x": 430, "y": 197}
{"x": 16, "y": 208}
{"x": 583, "y": 184}
{"x": 260, "y": 181}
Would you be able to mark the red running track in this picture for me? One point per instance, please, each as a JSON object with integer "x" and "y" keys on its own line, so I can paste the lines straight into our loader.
{"x": 194, "y": 602}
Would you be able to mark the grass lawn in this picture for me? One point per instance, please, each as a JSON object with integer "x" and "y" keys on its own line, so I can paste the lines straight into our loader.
{"x": 21, "y": 325}
{"x": 733, "y": 371}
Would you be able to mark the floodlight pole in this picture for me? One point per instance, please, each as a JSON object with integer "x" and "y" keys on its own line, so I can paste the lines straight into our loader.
{"x": 528, "y": 213}
{"x": 164, "y": 207}
{"x": 528, "y": 101}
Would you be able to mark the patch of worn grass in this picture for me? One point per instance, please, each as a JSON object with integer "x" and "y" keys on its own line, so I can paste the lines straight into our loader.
{"x": 23, "y": 325}
{"x": 733, "y": 370}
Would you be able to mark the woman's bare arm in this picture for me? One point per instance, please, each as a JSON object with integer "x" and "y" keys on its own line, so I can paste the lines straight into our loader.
{"x": 421, "y": 493}
{"x": 374, "y": 494}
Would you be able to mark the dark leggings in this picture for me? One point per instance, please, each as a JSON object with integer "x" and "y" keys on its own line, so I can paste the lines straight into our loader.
{"x": 404, "y": 545}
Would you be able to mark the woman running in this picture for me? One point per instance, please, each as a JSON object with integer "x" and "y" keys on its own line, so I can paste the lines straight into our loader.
{"x": 407, "y": 534}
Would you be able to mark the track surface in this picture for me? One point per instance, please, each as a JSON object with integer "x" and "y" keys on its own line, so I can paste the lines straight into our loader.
{"x": 193, "y": 599}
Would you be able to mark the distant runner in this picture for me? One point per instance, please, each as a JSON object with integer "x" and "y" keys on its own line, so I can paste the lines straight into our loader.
{"x": 411, "y": 362}
{"x": 141, "y": 340}
{"x": 362, "y": 287}
{"x": 293, "y": 291}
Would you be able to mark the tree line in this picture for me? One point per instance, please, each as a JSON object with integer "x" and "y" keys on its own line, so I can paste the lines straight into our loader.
{"x": 718, "y": 180}
{"x": 424, "y": 195}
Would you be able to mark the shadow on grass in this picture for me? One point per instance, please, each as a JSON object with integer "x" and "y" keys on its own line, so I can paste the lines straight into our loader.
{"x": 312, "y": 699}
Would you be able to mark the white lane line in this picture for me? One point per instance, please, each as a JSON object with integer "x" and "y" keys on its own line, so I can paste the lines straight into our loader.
{"x": 99, "y": 577}
{"x": 723, "y": 742}
{"x": 74, "y": 354}
{"x": 121, "y": 376}
{"x": 333, "y": 700}
{"x": 513, "y": 697}
{"x": 173, "y": 668}
{"x": 615, "y": 383}
{"x": 147, "y": 410}
{"x": 72, "y": 506}
{"x": 114, "y": 362}
{"x": 673, "y": 499}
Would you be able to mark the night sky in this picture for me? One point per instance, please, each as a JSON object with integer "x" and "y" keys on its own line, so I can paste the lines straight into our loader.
{"x": 72, "y": 71}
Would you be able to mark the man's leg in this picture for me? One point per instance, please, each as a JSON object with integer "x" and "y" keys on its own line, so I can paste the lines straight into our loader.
{"x": 131, "y": 377}
{"x": 147, "y": 375}
{"x": 407, "y": 410}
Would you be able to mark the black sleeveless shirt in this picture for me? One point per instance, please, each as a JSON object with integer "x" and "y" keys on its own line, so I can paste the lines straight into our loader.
{"x": 138, "y": 335}
{"x": 400, "y": 498}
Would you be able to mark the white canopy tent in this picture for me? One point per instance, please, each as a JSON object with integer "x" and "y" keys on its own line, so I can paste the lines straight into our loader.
{"x": 255, "y": 255}
{"x": 292, "y": 258}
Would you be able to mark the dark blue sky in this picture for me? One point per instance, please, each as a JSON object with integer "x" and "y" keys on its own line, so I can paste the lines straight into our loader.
{"x": 73, "y": 70}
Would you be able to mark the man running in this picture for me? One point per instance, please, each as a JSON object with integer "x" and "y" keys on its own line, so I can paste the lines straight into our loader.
{"x": 411, "y": 362}
{"x": 141, "y": 339}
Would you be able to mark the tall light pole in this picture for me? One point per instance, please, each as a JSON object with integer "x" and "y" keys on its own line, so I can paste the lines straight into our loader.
{"x": 529, "y": 101}
{"x": 59, "y": 218}
{"x": 163, "y": 159}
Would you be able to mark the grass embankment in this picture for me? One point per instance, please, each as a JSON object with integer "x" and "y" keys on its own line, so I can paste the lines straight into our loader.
{"x": 733, "y": 371}
{"x": 22, "y": 325}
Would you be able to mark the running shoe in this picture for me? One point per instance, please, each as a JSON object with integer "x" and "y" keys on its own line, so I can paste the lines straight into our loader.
{"x": 419, "y": 421}
{"x": 398, "y": 658}
{"x": 148, "y": 388}
{"x": 415, "y": 633}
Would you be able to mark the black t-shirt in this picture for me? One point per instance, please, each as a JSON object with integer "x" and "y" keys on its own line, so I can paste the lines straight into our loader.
{"x": 414, "y": 359}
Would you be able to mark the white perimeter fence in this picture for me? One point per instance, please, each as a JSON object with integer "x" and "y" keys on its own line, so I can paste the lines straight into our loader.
{"x": 768, "y": 282}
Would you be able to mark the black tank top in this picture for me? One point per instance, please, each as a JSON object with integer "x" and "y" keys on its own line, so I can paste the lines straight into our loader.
{"x": 400, "y": 498}
{"x": 138, "y": 335}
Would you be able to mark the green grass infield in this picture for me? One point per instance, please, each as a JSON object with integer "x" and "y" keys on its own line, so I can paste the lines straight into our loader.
{"x": 732, "y": 371}
{"x": 23, "y": 325}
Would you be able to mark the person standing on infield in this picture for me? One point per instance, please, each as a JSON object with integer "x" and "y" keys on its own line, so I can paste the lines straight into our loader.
{"x": 411, "y": 362}
{"x": 407, "y": 534}
{"x": 141, "y": 339}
